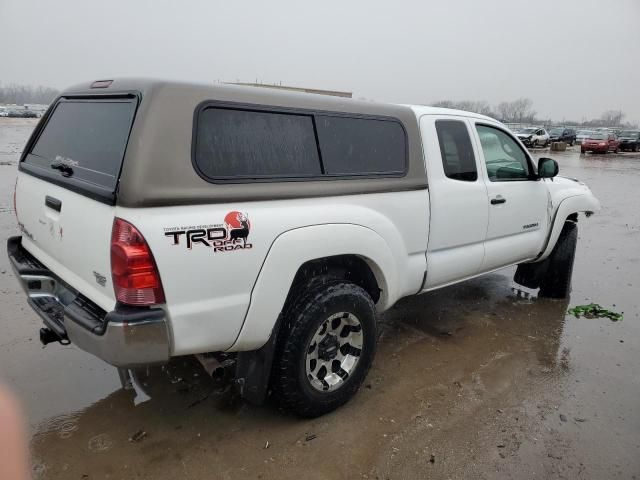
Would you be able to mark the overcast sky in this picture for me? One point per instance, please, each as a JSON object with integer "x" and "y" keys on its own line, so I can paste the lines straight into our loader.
{"x": 573, "y": 58}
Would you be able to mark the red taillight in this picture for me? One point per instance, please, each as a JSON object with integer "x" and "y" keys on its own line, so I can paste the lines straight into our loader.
{"x": 136, "y": 279}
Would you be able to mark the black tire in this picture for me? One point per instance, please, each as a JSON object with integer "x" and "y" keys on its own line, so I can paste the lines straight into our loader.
{"x": 635, "y": 147}
{"x": 557, "y": 280}
{"x": 291, "y": 387}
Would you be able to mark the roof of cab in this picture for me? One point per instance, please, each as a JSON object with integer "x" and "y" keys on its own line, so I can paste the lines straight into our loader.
{"x": 425, "y": 110}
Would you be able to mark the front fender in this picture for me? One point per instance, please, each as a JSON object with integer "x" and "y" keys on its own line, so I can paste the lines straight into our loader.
{"x": 292, "y": 249}
{"x": 585, "y": 202}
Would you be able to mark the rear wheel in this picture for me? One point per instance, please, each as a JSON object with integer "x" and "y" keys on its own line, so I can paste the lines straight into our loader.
{"x": 557, "y": 280}
{"x": 325, "y": 349}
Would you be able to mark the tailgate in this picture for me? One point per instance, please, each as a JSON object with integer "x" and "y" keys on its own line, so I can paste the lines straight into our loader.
{"x": 65, "y": 193}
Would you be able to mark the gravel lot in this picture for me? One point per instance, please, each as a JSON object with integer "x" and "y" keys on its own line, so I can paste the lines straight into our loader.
{"x": 477, "y": 380}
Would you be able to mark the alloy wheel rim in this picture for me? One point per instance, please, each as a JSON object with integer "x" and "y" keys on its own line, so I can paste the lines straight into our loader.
{"x": 334, "y": 351}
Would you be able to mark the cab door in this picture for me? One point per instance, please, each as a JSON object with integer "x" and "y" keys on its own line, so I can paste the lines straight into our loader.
{"x": 458, "y": 200}
{"x": 518, "y": 200}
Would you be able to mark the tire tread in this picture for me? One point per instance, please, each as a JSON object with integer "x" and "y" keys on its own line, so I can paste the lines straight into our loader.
{"x": 292, "y": 340}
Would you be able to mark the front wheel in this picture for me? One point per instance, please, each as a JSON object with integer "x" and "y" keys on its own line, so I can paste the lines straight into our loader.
{"x": 325, "y": 349}
{"x": 557, "y": 280}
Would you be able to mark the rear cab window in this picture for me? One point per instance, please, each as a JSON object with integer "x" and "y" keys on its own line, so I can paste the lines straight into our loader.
{"x": 82, "y": 145}
{"x": 458, "y": 160}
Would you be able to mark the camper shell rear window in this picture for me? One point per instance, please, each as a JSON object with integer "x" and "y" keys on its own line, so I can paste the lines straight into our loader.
{"x": 82, "y": 145}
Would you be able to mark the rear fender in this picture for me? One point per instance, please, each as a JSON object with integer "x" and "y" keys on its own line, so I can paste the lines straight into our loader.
{"x": 294, "y": 248}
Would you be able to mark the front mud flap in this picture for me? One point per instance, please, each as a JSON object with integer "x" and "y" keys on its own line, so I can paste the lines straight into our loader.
{"x": 530, "y": 275}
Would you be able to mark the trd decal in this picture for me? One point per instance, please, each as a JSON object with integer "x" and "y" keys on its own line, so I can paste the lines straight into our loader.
{"x": 530, "y": 225}
{"x": 232, "y": 234}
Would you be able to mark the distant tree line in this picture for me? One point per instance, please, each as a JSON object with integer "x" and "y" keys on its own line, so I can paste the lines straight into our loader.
{"x": 21, "y": 94}
{"x": 516, "y": 111}
{"x": 521, "y": 111}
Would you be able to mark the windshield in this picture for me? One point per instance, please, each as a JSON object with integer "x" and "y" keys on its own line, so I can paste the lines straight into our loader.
{"x": 528, "y": 130}
{"x": 628, "y": 133}
{"x": 557, "y": 131}
{"x": 584, "y": 132}
{"x": 598, "y": 136}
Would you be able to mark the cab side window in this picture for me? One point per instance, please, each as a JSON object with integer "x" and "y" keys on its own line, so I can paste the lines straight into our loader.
{"x": 504, "y": 158}
{"x": 458, "y": 159}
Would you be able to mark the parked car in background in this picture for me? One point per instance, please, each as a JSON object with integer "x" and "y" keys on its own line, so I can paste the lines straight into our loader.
{"x": 22, "y": 113}
{"x": 601, "y": 143}
{"x": 534, "y": 137}
{"x": 561, "y": 134}
{"x": 629, "y": 140}
{"x": 582, "y": 135}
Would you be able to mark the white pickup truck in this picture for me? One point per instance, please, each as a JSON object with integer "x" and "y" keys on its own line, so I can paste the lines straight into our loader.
{"x": 265, "y": 229}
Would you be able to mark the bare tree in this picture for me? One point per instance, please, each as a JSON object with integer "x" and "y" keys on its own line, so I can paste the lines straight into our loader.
{"x": 523, "y": 110}
{"x": 476, "y": 106}
{"x": 519, "y": 110}
{"x": 612, "y": 118}
{"x": 21, "y": 94}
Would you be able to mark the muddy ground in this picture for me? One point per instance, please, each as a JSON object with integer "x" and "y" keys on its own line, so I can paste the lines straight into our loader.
{"x": 472, "y": 381}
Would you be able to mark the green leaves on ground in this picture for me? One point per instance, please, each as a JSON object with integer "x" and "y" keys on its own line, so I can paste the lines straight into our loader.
{"x": 593, "y": 310}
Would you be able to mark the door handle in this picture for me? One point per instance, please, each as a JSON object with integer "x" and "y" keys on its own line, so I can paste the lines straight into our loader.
{"x": 498, "y": 200}
{"x": 53, "y": 203}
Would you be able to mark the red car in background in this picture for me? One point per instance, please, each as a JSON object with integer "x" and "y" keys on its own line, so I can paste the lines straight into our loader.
{"x": 601, "y": 143}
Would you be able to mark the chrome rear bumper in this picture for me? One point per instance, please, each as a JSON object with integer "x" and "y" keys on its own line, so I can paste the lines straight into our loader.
{"x": 125, "y": 337}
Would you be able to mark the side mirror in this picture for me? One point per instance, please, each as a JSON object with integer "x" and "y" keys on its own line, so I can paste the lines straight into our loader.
{"x": 547, "y": 168}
